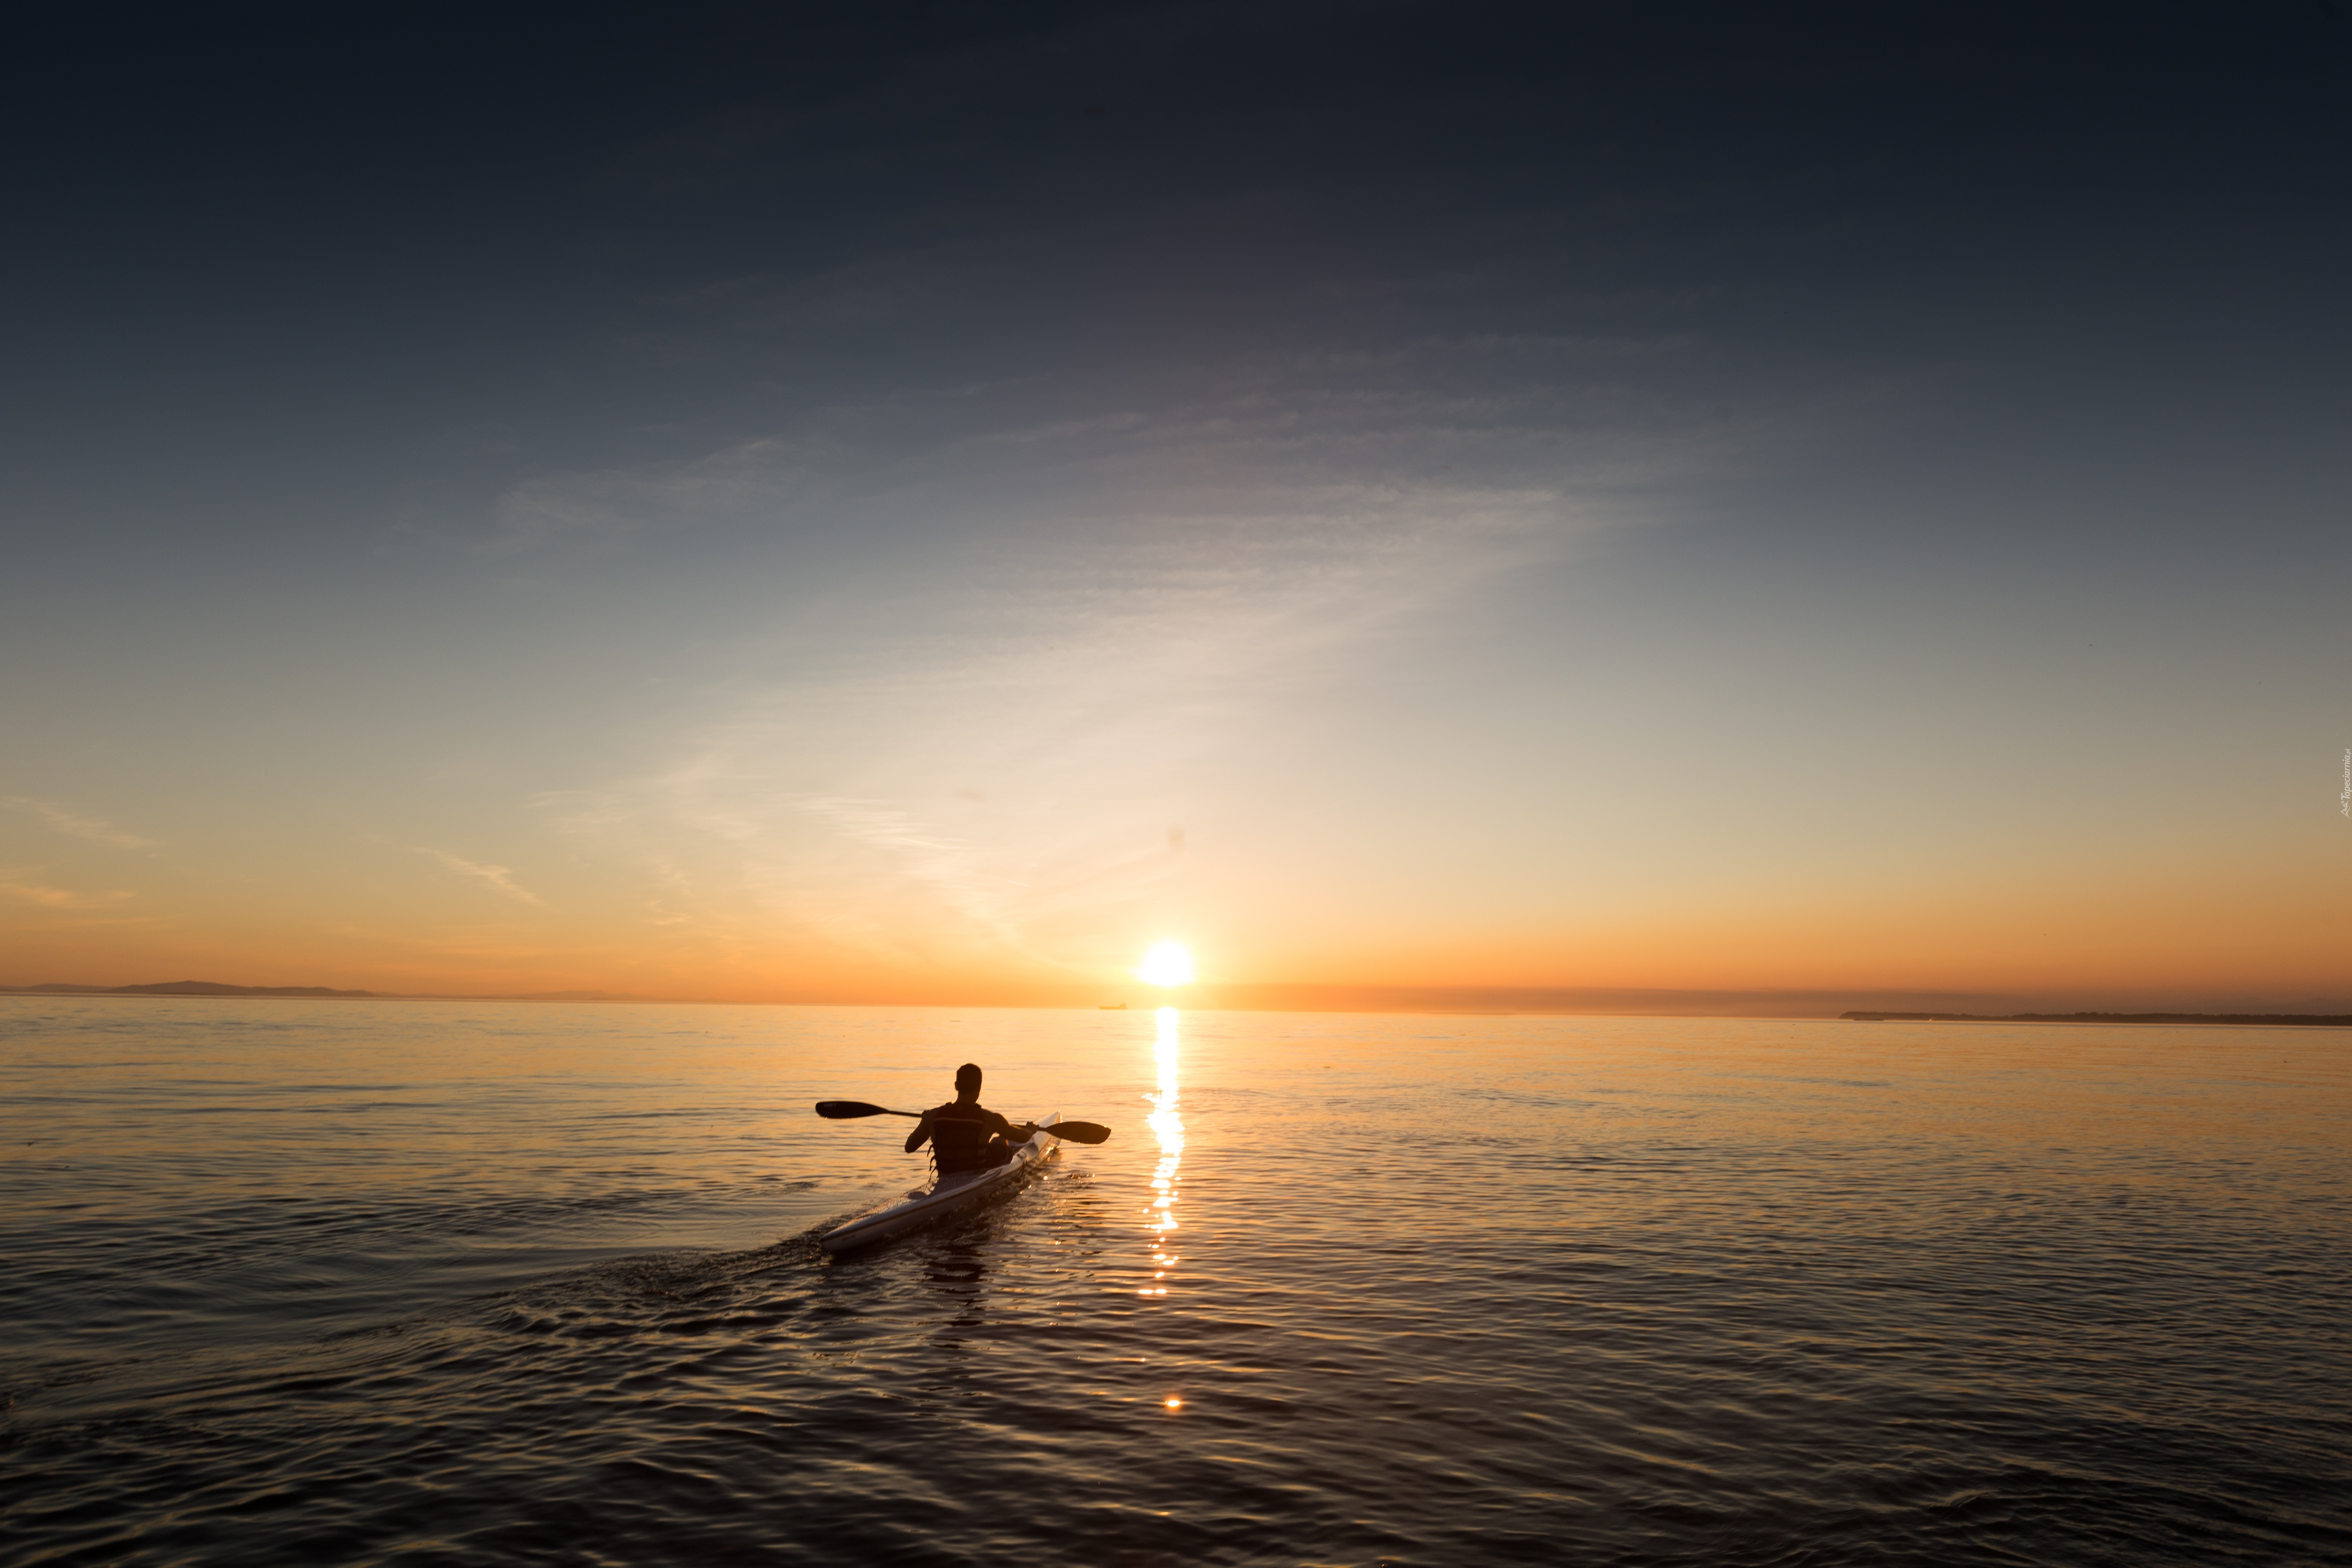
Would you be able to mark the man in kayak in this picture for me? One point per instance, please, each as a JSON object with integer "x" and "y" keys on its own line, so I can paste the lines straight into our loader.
{"x": 963, "y": 1134}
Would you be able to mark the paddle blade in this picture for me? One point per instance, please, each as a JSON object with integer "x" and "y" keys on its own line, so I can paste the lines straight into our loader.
{"x": 1080, "y": 1131}
{"x": 846, "y": 1109}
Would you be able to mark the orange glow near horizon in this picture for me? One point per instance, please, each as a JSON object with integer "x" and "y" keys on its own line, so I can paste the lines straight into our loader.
{"x": 108, "y": 903}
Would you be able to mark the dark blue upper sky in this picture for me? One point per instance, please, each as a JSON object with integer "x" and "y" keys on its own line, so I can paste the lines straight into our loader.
{"x": 268, "y": 255}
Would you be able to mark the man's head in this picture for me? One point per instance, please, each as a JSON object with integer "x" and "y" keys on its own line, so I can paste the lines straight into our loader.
{"x": 968, "y": 1082}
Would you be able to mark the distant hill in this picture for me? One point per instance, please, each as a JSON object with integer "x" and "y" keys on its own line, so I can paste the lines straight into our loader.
{"x": 2298, "y": 1020}
{"x": 214, "y": 988}
{"x": 183, "y": 988}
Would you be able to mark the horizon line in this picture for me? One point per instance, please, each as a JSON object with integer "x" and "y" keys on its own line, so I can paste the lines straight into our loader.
{"x": 1329, "y": 997}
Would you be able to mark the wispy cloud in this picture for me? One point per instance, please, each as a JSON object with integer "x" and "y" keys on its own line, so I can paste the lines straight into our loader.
{"x": 497, "y": 877}
{"x": 1042, "y": 624}
{"x": 610, "y": 504}
{"x": 1093, "y": 684}
{"x": 958, "y": 872}
{"x": 75, "y": 825}
{"x": 56, "y": 897}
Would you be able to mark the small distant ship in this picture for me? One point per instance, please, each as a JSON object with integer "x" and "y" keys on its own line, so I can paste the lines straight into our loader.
{"x": 1113, "y": 1007}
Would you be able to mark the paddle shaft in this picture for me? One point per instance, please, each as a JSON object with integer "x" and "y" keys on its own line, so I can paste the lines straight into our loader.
{"x": 848, "y": 1110}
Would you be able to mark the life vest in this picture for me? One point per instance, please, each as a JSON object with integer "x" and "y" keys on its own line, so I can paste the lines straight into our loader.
{"x": 960, "y": 1135}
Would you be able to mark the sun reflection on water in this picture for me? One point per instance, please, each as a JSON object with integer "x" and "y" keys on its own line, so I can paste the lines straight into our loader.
{"x": 1167, "y": 1126}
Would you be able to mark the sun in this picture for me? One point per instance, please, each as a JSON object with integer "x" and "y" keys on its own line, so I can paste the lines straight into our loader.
{"x": 1168, "y": 964}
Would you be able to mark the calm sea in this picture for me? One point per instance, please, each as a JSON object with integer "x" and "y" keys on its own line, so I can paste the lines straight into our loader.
{"x": 293, "y": 1282}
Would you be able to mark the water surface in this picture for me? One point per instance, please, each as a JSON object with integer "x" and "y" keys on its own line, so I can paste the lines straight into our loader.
{"x": 436, "y": 1282}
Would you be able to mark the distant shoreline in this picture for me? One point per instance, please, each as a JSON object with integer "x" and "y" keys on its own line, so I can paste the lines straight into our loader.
{"x": 2267, "y": 1020}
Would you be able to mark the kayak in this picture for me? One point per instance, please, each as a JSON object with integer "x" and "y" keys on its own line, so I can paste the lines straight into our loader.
{"x": 945, "y": 1197}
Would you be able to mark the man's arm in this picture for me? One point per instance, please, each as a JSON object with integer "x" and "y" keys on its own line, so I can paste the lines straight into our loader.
{"x": 920, "y": 1135}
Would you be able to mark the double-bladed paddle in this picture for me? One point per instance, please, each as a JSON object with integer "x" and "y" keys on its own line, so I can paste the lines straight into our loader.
{"x": 849, "y": 1109}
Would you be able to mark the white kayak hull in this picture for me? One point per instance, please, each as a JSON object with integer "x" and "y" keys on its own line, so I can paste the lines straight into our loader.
{"x": 948, "y": 1195}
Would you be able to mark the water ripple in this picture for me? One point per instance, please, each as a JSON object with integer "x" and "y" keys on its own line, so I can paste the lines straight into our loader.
{"x": 1612, "y": 1292}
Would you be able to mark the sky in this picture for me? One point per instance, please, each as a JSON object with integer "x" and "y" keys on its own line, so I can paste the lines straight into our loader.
{"x": 919, "y": 502}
